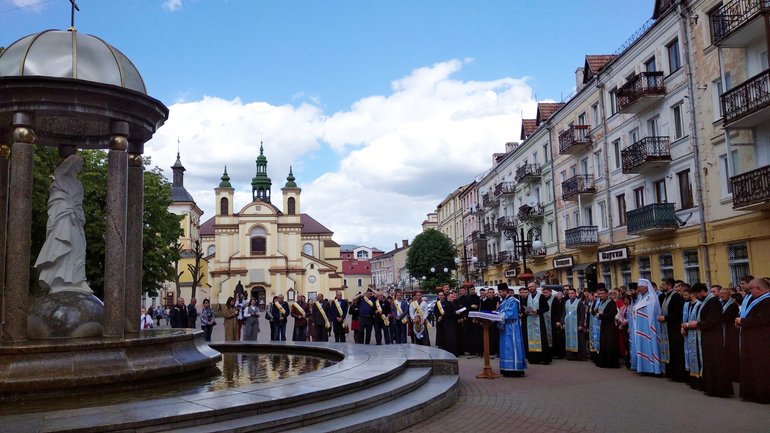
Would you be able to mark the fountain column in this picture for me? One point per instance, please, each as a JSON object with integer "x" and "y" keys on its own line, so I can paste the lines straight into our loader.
{"x": 115, "y": 233}
{"x": 19, "y": 238}
{"x": 134, "y": 238}
{"x": 5, "y": 152}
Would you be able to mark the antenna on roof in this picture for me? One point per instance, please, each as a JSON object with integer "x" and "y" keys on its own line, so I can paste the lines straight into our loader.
{"x": 72, "y": 16}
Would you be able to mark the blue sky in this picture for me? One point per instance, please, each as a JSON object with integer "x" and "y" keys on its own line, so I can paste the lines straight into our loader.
{"x": 381, "y": 107}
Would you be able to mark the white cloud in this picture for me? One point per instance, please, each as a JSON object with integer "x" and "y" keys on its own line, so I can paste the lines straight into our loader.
{"x": 34, "y": 5}
{"x": 399, "y": 154}
{"x": 172, "y": 5}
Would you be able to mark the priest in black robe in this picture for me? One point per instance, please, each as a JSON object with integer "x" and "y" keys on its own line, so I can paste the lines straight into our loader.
{"x": 439, "y": 313}
{"x": 609, "y": 345}
{"x": 754, "y": 323}
{"x": 490, "y": 303}
{"x": 451, "y": 326}
{"x": 730, "y": 312}
{"x": 556, "y": 307}
{"x": 671, "y": 317}
{"x": 716, "y": 378}
{"x": 474, "y": 331}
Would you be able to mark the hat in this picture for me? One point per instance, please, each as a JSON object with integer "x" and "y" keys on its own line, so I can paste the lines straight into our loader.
{"x": 645, "y": 282}
{"x": 502, "y": 286}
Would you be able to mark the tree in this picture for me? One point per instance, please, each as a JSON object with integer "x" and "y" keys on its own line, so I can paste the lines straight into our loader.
{"x": 161, "y": 228}
{"x": 432, "y": 249}
{"x": 196, "y": 267}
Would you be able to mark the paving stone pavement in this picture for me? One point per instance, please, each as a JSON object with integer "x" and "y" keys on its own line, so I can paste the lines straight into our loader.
{"x": 576, "y": 397}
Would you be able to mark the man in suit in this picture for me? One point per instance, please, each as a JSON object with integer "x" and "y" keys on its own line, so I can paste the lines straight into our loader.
{"x": 338, "y": 312}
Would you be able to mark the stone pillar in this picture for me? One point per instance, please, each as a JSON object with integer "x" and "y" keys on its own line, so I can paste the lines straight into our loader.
{"x": 115, "y": 233}
{"x": 5, "y": 152}
{"x": 19, "y": 238}
{"x": 134, "y": 239}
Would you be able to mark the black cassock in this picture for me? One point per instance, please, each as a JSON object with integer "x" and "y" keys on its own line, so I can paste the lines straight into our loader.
{"x": 440, "y": 325}
{"x": 543, "y": 357}
{"x": 716, "y": 378}
{"x": 451, "y": 327}
{"x": 609, "y": 349}
{"x": 755, "y": 353}
{"x": 557, "y": 334}
{"x": 675, "y": 368}
{"x": 731, "y": 340}
{"x": 494, "y": 333}
{"x": 473, "y": 330}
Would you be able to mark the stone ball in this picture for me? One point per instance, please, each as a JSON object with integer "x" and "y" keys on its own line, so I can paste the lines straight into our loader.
{"x": 65, "y": 315}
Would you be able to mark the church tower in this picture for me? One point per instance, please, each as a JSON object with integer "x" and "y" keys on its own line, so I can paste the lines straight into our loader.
{"x": 260, "y": 184}
{"x": 291, "y": 196}
{"x": 183, "y": 204}
{"x": 224, "y": 196}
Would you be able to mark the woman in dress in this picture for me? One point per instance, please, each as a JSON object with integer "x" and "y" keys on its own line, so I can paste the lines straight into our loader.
{"x": 231, "y": 320}
{"x": 250, "y": 322}
{"x": 208, "y": 320}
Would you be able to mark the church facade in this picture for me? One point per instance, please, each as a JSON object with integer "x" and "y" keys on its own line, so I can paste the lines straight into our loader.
{"x": 266, "y": 250}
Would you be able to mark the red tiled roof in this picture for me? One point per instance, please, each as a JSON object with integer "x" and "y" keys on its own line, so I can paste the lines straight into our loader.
{"x": 546, "y": 109}
{"x": 528, "y": 126}
{"x": 595, "y": 63}
{"x": 207, "y": 228}
{"x": 356, "y": 267}
{"x": 330, "y": 243}
{"x": 311, "y": 226}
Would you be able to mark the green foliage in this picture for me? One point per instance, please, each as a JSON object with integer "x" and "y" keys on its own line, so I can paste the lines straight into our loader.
{"x": 432, "y": 249}
{"x": 161, "y": 228}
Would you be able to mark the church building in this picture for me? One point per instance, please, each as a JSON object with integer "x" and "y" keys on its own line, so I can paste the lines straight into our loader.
{"x": 266, "y": 250}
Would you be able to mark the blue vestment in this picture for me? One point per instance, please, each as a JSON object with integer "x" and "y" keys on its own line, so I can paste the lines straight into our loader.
{"x": 646, "y": 341}
{"x": 512, "y": 355}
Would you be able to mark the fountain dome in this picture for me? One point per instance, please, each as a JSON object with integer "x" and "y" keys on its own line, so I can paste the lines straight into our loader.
{"x": 69, "y": 54}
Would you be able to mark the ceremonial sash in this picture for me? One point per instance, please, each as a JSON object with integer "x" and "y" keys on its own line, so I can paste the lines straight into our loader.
{"x": 419, "y": 312}
{"x": 751, "y": 304}
{"x": 534, "y": 341}
{"x": 595, "y": 328}
{"x": 571, "y": 324}
{"x": 727, "y": 305}
{"x": 339, "y": 309}
{"x": 299, "y": 308}
{"x": 548, "y": 325}
{"x": 440, "y": 307}
{"x": 665, "y": 345}
{"x": 379, "y": 310}
{"x": 323, "y": 314}
{"x": 694, "y": 363}
{"x": 368, "y": 301}
{"x": 280, "y": 308}
{"x": 399, "y": 311}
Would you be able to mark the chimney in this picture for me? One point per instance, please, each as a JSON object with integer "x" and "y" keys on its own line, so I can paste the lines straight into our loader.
{"x": 405, "y": 243}
{"x": 509, "y": 146}
{"x": 579, "y": 76}
{"x": 395, "y": 245}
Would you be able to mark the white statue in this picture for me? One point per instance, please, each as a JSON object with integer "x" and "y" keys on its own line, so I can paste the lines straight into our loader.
{"x": 62, "y": 260}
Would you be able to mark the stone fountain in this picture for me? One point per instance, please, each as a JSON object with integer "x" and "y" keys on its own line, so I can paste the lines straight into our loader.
{"x": 74, "y": 91}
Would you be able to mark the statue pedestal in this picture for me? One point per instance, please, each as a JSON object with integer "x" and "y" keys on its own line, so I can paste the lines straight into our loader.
{"x": 65, "y": 315}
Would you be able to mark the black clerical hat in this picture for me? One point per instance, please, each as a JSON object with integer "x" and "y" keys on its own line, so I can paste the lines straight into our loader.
{"x": 502, "y": 286}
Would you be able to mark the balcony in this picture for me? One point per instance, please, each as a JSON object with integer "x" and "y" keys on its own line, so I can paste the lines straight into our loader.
{"x": 507, "y": 224}
{"x": 528, "y": 173}
{"x": 745, "y": 106}
{"x": 476, "y": 209}
{"x": 583, "y": 236}
{"x": 490, "y": 201}
{"x": 537, "y": 254}
{"x": 576, "y": 139}
{"x": 736, "y": 23}
{"x": 505, "y": 189}
{"x": 476, "y": 236}
{"x": 530, "y": 213}
{"x": 639, "y": 94}
{"x": 505, "y": 257}
{"x": 491, "y": 229}
{"x": 751, "y": 191}
{"x": 652, "y": 219}
{"x": 646, "y": 154}
{"x": 581, "y": 184}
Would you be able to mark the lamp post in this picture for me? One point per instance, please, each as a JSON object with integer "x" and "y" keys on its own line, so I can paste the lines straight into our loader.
{"x": 523, "y": 245}
{"x": 465, "y": 261}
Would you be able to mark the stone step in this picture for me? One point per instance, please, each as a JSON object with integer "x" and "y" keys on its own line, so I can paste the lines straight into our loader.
{"x": 339, "y": 406}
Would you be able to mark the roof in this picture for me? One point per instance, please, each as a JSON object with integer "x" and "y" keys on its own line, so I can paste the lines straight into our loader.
{"x": 356, "y": 267}
{"x": 330, "y": 243}
{"x": 179, "y": 193}
{"x": 207, "y": 228}
{"x": 594, "y": 64}
{"x": 546, "y": 109}
{"x": 311, "y": 226}
{"x": 528, "y": 126}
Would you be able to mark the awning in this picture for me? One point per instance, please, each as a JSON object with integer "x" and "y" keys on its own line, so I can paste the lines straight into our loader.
{"x": 582, "y": 266}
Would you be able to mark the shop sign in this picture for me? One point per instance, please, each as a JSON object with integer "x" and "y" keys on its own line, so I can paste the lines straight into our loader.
{"x": 510, "y": 273}
{"x": 657, "y": 248}
{"x": 563, "y": 262}
{"x": 613, "y": 255}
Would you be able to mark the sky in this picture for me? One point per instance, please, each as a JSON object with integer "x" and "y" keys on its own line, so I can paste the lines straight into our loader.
{"x": 381, "y": 108}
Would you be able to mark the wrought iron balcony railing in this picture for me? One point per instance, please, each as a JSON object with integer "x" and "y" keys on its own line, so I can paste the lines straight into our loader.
{"x": 575, "y": 139}
{"x": 582, "y": 236}
{"x": 505, "y": 189}
{"x": 646, "y": 153}
{"x": 750, "y": 97}
{"x": 490, "y": 200}
{"x": 751, "y": 190}
{"x": 491, "y": 228}
{"x": 576, "y": 185}
{"x": 640, "y": 92}
{"x": 656, "y": 217}
{"x": 529, "y": 213}
{"x": 528, "y": 172}
{"x": 731, "y": 17}
{"x": 507, "y": 223}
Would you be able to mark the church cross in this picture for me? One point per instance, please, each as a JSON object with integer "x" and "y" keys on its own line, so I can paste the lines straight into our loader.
{"x": 72, "y": 17}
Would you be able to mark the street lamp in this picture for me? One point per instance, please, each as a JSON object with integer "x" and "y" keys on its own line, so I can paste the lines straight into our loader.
{"x": 465, "y": 260}
{"x": 522, "y": 244}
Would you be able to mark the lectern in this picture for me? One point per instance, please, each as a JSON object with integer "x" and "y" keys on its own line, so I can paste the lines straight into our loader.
{"x": 486, "y": 320}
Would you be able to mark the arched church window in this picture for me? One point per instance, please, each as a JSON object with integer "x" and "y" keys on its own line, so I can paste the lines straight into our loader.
{"x": 291, "y": 206}
{"x": 258, "y": 237}
{"x": 211, "y": 250}
{"x": 308, "y": 249}
{"x": 223, "y": 206}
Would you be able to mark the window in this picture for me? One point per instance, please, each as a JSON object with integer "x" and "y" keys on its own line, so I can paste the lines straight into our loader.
{"x": 548, "y": 191}
{"x": 633, "y": 136}
{"x": 588, "y": 214}
{"x": 652, "y": 127}
{"x": 598, "y": 163}
{"x": 613, "y": 101}
{"x": 616, "y": 149}
{"x": 738, "y": 261}
{"x": 566, "y": 222}
{"x": 644, "y": 267}
{"x": 716, "y": 103}
{"x": 584, "y": 166}
{"x": 563, "y": 176}
{"x": 666, "y": 266}
{"x": 691, "y": 269}
{"x": 576, "y": 218}
{"x": 308, "y": 249}
{"x": 625, "y": 272}
{"x": 678, "y": 123}
{"x": 545, "y": 152}
{"x": 291, "y": 204}
{"x": 639, "y": 197}
{"x": 621, "y": 210}
{"x": 258, "y": 246}
{"x": 606, "y": 277}
{"x": 595, "y": 114}
{"x": 602, "y": 215}
{"x": 660, "y": 191}
{"x": 212, "y": 249}
{"x": 534, "y": 158}
{"x": 724, "y": 170}
{"x": 649, "y": 65}
{"x": 685, "y": 189}
{"x": 573, "y": 170}
{"x": 582, "y": 119}
{"x": 360, "y": 282}
{"x": 224, "y": 208}
{"x": 362, "y": 255}
{"x": 550, "y": 232}
{"x": 674, "y": 62}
